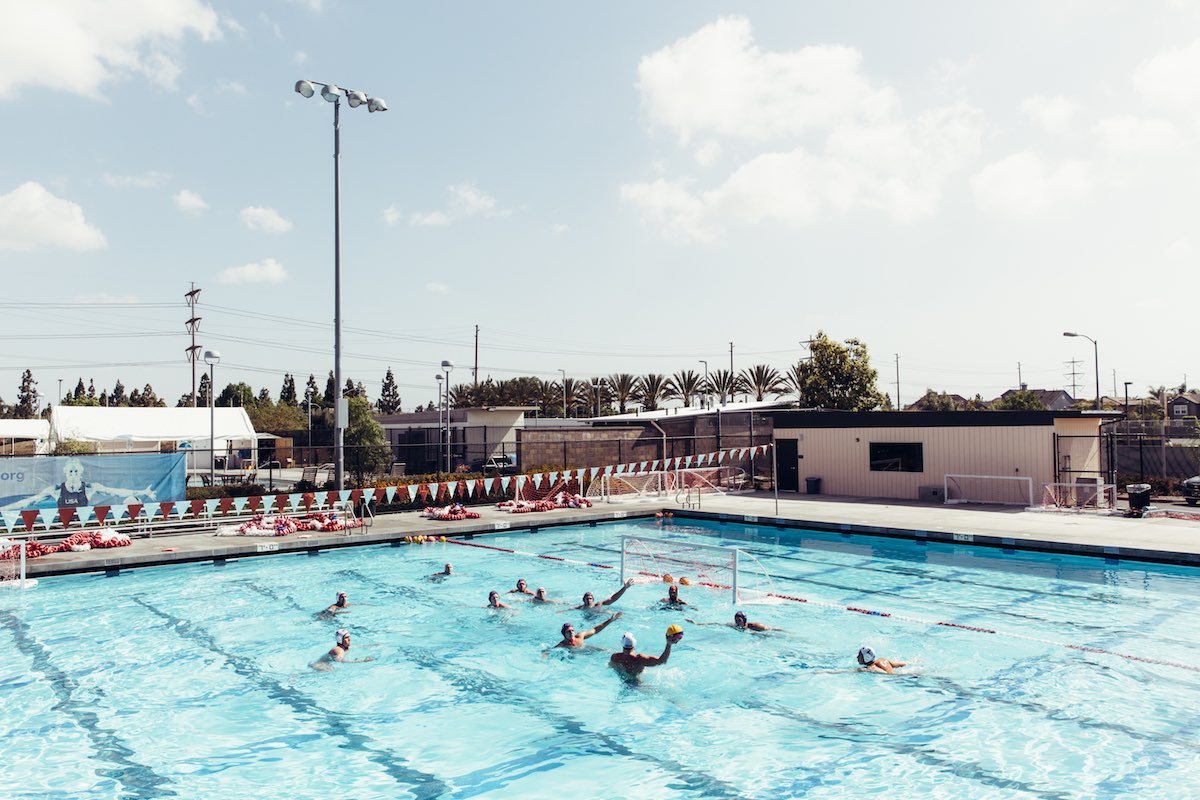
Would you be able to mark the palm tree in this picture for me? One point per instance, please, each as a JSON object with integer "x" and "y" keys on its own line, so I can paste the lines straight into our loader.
{"x": 463, "y": 396}
{"x": 793, "y": 381}
{"x": 577, "y": 394}
{"x": 651, "y": 388}
{"x": 685, "y": 385}
{"x": 549, "y": 396}
{"x": 762, "y": 380}
{"x": 724, "y": 383}
{"x": 623, "y": 387}
{"x": 604, "y": 401}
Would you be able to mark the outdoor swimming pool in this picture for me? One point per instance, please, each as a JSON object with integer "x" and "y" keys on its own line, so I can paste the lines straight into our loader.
{"x": 194, "y": 682}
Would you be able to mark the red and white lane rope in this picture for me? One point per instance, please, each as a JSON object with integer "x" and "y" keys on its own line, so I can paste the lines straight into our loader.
{"x": 865, "y": 611}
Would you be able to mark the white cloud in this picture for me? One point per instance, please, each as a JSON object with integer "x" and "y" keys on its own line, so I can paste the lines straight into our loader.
{"x": 31, "y": 217}
{"x": 151, "y": 179}
{"x": 300, "y": 57}
{"x": 560, "y": 228}
{"x": 717, "y": 81}
{"x": 431, "y": 218}
{"x": 271, "y": 24}
{"x": 232, "y": 87}
{"x": 465, "y": 200}
{"x": 828, "y": 138}
{"x": 189, "y": 202}
{"x": 392, "y": 215}
{"x": 437, "y": 288}
{"x": 78, "y": 47}
{"x": 233, "y": 26}
{"x": 1023, "y": 185}
{"x": 265, "y": 220}
{"x": 266, "y": 271}
{"x": 196, "y": 103}
{"x": 1171, "y": 79}
{"x": 1051, "y": 114}
{"x": 1135, "y": 136}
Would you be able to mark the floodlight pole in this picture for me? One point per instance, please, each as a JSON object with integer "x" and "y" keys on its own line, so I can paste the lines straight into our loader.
{"x": 1096, "y": 355}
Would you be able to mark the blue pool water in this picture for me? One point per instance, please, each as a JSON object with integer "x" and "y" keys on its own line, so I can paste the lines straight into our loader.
{"x": 193, "y": 682}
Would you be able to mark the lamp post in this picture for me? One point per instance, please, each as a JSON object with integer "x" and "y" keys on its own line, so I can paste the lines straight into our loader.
{"x": 597, "y": 386}
{"x": 705, "y": 363}
{"x": 447, "y": 366}
{"x": 1096, "y": 354}
{"x": 564, "y": 388}
{"x": 333, "y": 94}
{"x": 308, "y": 401}
{"x": 1127, "y": 398}
{"x": 440, "y": 378}
{"x": 212, "y": 358}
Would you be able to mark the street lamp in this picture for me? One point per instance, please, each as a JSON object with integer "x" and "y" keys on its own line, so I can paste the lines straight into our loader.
{"x": 1127, "y": 398}
{"x": 597, "y": 386}
{"x": 446, "y": 367}
{"x": 440, "y": 377}
{"x": 564, "y": 388}
{"x": 1096, "y": 353}
{"x": 331, "y": 93}
{"x": 705, "y": 363}
{"x": 212, "y": 358}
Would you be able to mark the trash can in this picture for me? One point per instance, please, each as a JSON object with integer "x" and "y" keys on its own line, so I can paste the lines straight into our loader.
{"x": 1139, "y": 495}
{"x": 812, "y": 485}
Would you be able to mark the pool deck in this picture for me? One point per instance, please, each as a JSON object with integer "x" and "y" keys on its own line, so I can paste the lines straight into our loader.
{"x": 1157, "y": 539}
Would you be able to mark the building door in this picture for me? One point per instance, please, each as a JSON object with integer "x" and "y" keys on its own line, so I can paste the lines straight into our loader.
{"x": 787, "y": 461}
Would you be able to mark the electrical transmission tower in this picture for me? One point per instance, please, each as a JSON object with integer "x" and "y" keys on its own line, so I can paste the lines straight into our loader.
{"x": 1073, "y": 375}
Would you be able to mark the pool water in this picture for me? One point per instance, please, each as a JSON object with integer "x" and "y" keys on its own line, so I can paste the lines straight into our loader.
{"x": 194, "y": 681}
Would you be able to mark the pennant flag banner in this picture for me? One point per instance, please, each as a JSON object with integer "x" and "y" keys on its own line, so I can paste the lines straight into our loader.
{"x": 309, "y": 498}
{"x": 488, "y": 483}
{"x": 102, "y": 513}
{"x": 66, "y": 516}
{"x": 412, "y": 492}
{"x": 504, "y": 483}
{"x": 687, "y": 461}
{"x": 48, "y": 515}
{"x": 10, "y": 519}
{"x": 423, "y": 491}
{"x": 29, "y": 517}
{"x": 595, "y": 472}
{"x": 166, "y": 508}
{"x": 554, "y": 477}
{"x": 86, "y": 515}
{"x": 537, "y": 481}
{"x": 388, "y": 493}
{"x": 239, "y": 503}
{"x": 196, "y": 506}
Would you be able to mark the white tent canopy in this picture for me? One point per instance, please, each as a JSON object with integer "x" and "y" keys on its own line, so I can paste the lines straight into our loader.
{"x": 96, "y": 424}
{"x": 24, "y": 429}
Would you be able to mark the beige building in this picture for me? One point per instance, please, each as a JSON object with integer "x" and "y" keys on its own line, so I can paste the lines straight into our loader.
{"x": 907, "y": 455}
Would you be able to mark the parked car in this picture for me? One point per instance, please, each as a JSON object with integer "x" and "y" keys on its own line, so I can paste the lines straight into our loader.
{"x": 1191, "y": 490}
{"x": 499, "y": 465}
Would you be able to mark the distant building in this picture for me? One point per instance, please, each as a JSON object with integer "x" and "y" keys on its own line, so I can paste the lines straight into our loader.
{"x": 418, "y": 439}
{"x": 926, "y": 402}
{"x": 1053, "y": 399}
{"x": 1184, "y": 405}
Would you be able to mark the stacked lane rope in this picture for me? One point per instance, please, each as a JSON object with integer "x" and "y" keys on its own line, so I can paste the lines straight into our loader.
{"x": 76, "y": 542}
{"x": 280, "y": 525}
{"x": 545, "y": 495}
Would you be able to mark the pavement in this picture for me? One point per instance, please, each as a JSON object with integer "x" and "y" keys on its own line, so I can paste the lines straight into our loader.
{"x": 1159, "y": 539}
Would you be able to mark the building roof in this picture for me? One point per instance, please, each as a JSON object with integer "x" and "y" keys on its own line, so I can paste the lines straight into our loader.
{"x": 1191, "y": 397}
{"x": 692, "y": 411}
{"x": 99, "y": 424}
{"x": 929, "y": 419}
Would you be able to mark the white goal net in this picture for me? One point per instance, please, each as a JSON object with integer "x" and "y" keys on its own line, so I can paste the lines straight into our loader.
{"x": 1080, "y": 496}
{"x": 1009, "y": 490}
{"x": 685, "y": 563}
{"x": 632, "y": 486}
{"x": 12, "y": 565}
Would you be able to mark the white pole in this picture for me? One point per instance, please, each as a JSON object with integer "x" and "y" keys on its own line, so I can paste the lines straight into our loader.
{"x": 775, "y": 476}
{"x": 624, "y": 544}
{"x": 735, "y": 575}
{"x": 21, "y": 574}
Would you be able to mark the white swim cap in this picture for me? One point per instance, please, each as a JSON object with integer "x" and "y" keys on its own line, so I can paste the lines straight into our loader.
{"x": 628, "y": 642}
{"x": 341, "y": 635}
{"x": 865, "y": 655}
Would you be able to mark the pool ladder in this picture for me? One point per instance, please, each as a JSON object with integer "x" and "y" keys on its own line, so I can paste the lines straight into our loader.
{"x": 689, "y": 497}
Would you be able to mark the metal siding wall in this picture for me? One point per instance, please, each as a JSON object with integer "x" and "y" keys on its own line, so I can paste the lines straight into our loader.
{"x": 844, "y": 467}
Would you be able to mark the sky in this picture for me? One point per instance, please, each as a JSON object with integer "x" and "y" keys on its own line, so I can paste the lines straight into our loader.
{"x": 617, "y": 187}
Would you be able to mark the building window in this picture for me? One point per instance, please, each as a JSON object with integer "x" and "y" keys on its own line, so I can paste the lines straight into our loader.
{"x": 897, "y": 457}
{"x": 1180, "y": 409}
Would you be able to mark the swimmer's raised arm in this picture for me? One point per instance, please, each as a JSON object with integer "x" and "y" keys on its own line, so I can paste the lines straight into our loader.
{"x": 617, "y": 595}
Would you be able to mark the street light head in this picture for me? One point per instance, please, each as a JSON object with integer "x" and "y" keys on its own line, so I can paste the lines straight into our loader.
{"x": 305, "y": 88}
{"x": 1069, "y": 333}
{"x": 212, "y": 357}
{"x": 356, "y": 99}
{"x": 331, "y": 93}
{"x": 447, "y": 364}
{"x": 376, "y": 104}
{"x": 440, "y": 377}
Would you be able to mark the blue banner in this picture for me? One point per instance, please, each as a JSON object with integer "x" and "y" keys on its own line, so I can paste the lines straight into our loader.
{"x": 78, "y": 481}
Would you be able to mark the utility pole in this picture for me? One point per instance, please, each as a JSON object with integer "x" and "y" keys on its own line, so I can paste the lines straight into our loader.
{"x": 475, "y": 371}
{"x": 1073, "y": 375}
{"x": 731, "y": 359}
{"x": 898, "y": 408}
{"x": 192, "y": 325}
{"x": 1020, "y": 380}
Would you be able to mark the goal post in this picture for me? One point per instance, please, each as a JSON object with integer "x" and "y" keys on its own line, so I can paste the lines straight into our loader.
{"x": 12, "y": 565}
{"x": 680, "y": 561}
{"x": 1080, "y": 496}
{"x": 1010, "y": 490}
{"x": 618, "y": 487}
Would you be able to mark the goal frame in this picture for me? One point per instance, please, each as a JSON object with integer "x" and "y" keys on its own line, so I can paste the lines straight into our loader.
{"x": 1103, "y": 496}
{"x": 661, "y": 484}
{"x": 733, "y": 553}
{"x": 1022, "y": 479}
{"x": 22, "y": 579}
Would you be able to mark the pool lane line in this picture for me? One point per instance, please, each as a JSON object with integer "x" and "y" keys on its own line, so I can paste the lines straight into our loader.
{"x": 139, "y": 781}
{"x": 422, "y": 784}
{"x": 476, "y": 682}
{"x": 883, "y": 614}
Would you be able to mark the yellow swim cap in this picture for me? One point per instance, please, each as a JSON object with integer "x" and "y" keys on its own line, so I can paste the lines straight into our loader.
{"x": 674, "y": 629}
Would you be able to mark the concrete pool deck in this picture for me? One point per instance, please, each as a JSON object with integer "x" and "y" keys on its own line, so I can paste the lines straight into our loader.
{"x": 1157, "y": 539}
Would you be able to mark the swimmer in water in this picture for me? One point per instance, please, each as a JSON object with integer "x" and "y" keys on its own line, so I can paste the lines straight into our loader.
{"x": 630, "y": 664}
{"x": 494, "y": 600}
{"x": 338, "y": 653}
{"x": 540, "y": 597}
{"x": 672, "y": 599}
{"x": 339, "y": 605}
{"x": 572, "y": 639}
{"x": 868, "y": 662}
{"x": 522, "y": 588}
{"x": 446, "y": 570}
{"x": 589, "y": 599}
{"x": 741, "y": 623}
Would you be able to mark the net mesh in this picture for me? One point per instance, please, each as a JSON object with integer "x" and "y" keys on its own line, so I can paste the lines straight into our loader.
{"x": 1080, "y": 496}
{"x": 548, "y": 489}
{"x": 989, "y": 489}
{"x": 10, "y": 561}
{"x": 626, "y": 486}
{"x": 689, "y": 564}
